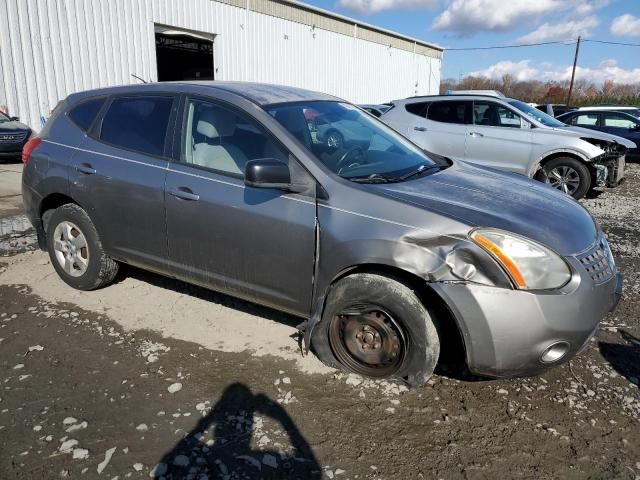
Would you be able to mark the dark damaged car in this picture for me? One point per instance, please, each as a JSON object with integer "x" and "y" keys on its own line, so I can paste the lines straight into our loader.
{"x": 386, "y": 252}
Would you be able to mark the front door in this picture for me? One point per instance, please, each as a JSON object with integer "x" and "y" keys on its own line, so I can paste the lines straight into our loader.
{"x": 497, "y": 138}
{"x": 250, "y": 242}
{"x": 622, "y": 125}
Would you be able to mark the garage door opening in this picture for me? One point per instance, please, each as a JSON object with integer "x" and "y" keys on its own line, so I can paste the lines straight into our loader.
{"x": 183, "y": 55}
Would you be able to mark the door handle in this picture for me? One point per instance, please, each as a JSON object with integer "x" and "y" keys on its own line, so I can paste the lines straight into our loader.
{"x": 476, "y": 134}
{"x": 420, "y": 129}
{"x": 185, "y": 194}
{"x": 86, "y": 169}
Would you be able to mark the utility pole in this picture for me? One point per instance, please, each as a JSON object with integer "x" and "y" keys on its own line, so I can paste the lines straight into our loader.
{"x": 573, "y": 73}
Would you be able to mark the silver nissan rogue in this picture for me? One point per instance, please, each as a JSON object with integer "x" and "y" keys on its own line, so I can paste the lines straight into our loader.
{"x": 387, "y": 252}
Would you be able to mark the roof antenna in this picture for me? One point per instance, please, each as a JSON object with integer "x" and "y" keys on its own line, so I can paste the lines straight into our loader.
{"x": 141, "y": 79}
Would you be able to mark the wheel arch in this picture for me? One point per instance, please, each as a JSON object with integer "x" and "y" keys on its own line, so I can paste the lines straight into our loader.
{"x": 50, "y": 203}
{"x": 453, "y": 350}
{"x": 547, "y": 157}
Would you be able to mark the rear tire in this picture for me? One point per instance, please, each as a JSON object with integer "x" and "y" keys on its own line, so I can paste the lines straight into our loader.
{"x": 75, "y": 249}
{"x": 377, "y": 327}
{"x": 568, "y": 175}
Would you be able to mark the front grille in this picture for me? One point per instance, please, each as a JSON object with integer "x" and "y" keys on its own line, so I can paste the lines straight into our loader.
{"x": 12, "y": 137}
{"x": 598, "y": 262}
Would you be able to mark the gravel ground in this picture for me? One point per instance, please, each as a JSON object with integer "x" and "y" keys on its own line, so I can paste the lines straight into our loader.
{"x": 126, "y": 383}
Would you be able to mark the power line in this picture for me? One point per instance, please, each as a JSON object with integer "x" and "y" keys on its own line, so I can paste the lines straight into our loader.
{"x": 573, "y": 42}
{"x": 570, "y": 42}
{"x": 614, "y": 43}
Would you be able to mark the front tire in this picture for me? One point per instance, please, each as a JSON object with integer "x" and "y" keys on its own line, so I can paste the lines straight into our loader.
{"x": 377, "y": 327}
{"x": 75, "y": 249}
{"x": 568, "y": 175}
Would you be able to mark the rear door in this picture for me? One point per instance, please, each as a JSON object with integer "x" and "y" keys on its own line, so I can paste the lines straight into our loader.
{"x": 254, "y": 243}
{"x": 497, "y": 138}
{"x": 119, "y": 175}
{"x": 444, "y": 129}
{"x": 590, "y": 120}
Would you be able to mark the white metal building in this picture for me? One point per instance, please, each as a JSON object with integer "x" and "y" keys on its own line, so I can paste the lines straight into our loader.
{"x": 50, "y": 48}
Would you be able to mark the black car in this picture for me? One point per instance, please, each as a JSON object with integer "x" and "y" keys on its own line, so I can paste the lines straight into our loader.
{"x": 13, "y": 136}
{"x": 617, "y": 123}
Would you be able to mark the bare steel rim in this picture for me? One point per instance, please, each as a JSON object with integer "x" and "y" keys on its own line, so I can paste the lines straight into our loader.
{"x": 564, "y": 178}
{"x": 334, "y": 140}
{"x": 71, "y": 249}
{"x": 368, "y": 341}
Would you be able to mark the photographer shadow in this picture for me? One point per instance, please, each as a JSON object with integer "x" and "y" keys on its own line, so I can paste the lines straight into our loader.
{"x": 233, "y": 422}
{"x": 625, "y": 359}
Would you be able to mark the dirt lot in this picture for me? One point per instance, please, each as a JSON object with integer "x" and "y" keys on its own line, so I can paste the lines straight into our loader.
{"x": 152, "y": 376}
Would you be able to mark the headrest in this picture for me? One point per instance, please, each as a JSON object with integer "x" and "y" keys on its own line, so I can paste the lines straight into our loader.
{"x": 215, "y": 122}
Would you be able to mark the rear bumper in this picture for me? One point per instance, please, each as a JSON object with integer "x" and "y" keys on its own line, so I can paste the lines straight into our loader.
{"x": 506, "y": 332}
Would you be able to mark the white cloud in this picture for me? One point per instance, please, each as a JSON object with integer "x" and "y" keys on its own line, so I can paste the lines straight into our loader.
{"x": 370, "y": 7}
{"x": 524, "y": 70}
{"x": 467, "y": 17}
{"x": 626, "y": 25}
{"x": 568, "y": 30}
{"x": 521, "y": 71}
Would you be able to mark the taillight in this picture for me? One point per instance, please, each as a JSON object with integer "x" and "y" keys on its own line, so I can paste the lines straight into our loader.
{"x": 29, "y": 147}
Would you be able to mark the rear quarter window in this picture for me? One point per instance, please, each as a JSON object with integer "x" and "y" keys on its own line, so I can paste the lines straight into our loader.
{"x": 137, "y": 123}
{"x": 85, "y": 112}
{"x": 419, "y": 109}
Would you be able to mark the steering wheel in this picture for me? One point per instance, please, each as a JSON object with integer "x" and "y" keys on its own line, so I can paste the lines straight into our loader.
{"x": 353, "y": 157}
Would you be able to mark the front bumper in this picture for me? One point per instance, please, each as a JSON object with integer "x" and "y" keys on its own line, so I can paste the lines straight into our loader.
{"x": 610, "y": 170}
{"x": 507, "y": 331}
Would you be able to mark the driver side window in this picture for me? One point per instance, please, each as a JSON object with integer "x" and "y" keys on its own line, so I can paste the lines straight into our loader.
{"x": 494, "y": 115}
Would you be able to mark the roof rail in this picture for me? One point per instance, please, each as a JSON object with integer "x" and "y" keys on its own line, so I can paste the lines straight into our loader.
{"x": 488, "y": 93}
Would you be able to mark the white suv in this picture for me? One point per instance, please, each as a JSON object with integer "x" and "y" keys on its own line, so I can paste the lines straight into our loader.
{"x": 510, "y": 135}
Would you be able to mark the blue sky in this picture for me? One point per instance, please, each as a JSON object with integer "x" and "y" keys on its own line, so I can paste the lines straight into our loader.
{"x": 475, "y": 23}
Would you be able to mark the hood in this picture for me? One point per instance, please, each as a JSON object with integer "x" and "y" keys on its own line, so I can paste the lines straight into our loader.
{"x": 13, "y": 126}
{"x": 488, "y": 198}
{"x": 587, "y": 132}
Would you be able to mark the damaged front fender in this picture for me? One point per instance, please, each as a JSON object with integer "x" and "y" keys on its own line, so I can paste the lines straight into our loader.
{"x": 422, "y": 253}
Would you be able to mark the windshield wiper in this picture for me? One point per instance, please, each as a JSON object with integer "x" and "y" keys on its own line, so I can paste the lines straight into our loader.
{"x": 421, "y": 169}
{"x": 373, "y": 178}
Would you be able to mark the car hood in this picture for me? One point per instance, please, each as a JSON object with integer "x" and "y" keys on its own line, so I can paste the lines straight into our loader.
{"x": 487, "y": 198}
{"x": 13, "y": 127}
{"x": 587, "y": 132}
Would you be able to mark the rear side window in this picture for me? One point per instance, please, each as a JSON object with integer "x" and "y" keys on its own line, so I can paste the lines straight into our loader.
{"x": 84, "y": 113}
{"x": 419, "y": 109}
{"x": 137, "y": 123}
{"x": 450, "y": 112}
{"x": 585, "y": 120}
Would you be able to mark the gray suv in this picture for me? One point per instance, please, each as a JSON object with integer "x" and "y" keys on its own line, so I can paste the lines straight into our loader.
{"x": 388, "y": 253}
{"x": 510, "y": 135}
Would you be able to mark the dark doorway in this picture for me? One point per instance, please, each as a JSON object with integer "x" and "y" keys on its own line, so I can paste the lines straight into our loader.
{"x": 183, "y": 57}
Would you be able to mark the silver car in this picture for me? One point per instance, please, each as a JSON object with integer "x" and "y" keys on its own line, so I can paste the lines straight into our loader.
{"x": 387, "y": 253}
{"x": 511, "y": 135}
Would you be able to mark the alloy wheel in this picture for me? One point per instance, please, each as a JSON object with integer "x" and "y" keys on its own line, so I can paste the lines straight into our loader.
{"x": 71, "y": 249}
{"x": 564, "y": 178}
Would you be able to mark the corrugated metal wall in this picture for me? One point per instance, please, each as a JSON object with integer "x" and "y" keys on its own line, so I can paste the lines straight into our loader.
{"x": 50, "y": 48}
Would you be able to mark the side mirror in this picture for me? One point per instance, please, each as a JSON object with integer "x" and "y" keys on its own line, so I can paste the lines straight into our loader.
{"x": 268, "y": 173}
{"x": 524, "y": 123}
{"x": 15, "y": 118}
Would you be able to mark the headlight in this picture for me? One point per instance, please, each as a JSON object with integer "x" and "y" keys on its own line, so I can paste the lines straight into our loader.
{"x": 530, "y": 265}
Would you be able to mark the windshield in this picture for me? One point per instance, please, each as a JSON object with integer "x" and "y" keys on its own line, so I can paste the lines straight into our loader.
{"x": 4, "y": 118}
{"x": 536, "y": 114}
{"x": 351, "y": 143}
